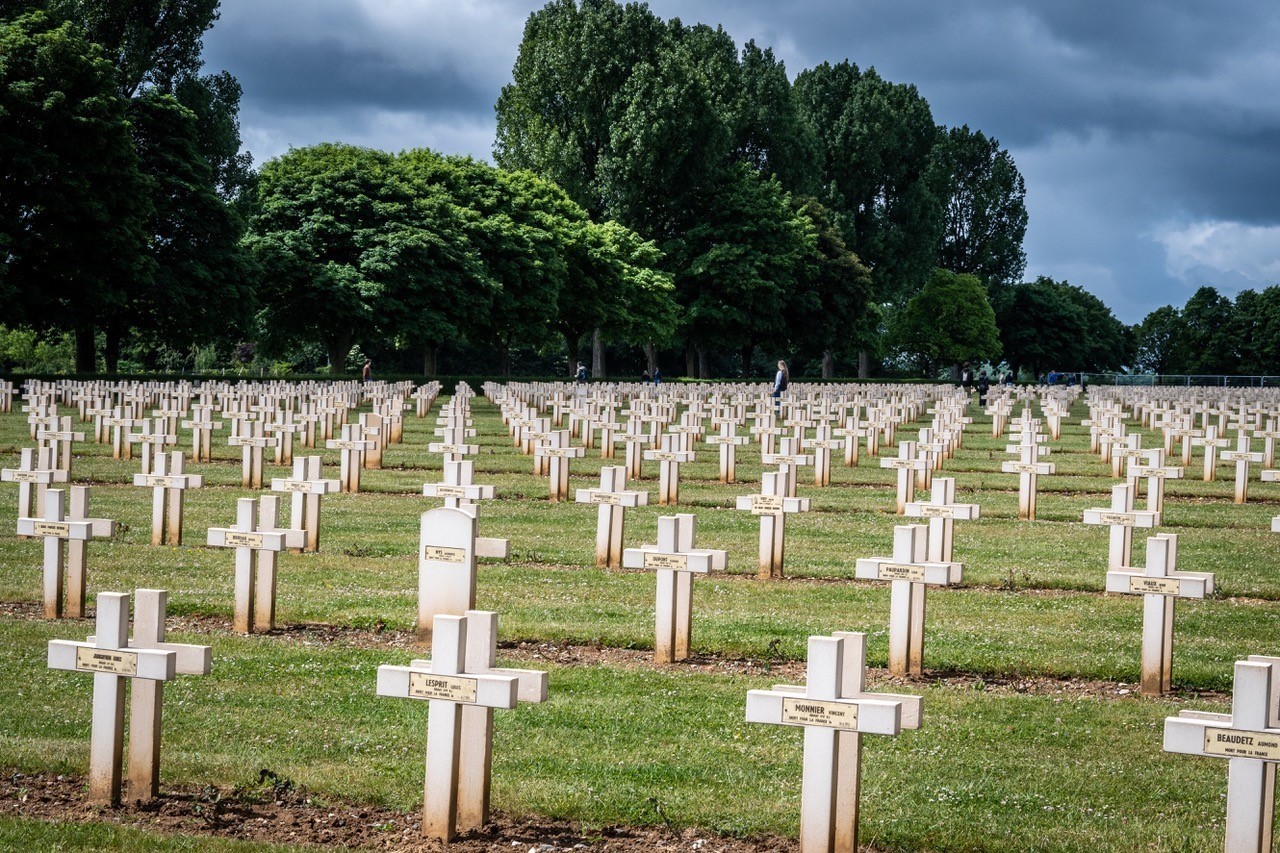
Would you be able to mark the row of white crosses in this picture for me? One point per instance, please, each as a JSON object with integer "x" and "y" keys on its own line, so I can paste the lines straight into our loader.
{"x": 1028, "y": 466}
{"x": 66, "y": 534}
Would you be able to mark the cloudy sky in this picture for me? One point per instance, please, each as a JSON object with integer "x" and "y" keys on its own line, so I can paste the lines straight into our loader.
{"x": 1148, "y": 131}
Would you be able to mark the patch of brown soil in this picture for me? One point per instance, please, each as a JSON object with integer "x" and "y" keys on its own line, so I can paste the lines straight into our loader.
{"x": 277, "y": 812}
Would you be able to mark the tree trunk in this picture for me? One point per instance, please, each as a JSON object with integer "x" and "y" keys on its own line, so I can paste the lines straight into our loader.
{"x": 86, "y": 349}
{"x": 747, "y": 349}
{"x": 339, "y": 344}
{"x": 430, "y": 359}
{"x": 955, "y": 373}
{"x": 111, "y": 352}
{"x": 828, "y": 364}
{"x": 704, "y": 369}
{"x": 690, "y": 360}
{"x": 651, "y": 357}
{"x": 598, "y": 368}
{"x": 504, "y": 351}
{"x": 571, "y": 352}
{"x": 864, "y": 364}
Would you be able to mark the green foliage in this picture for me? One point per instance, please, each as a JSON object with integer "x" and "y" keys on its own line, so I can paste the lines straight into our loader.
{"x": 25, "y": 349}
{"x": 1049, "y": 325}
{"x": 985, "y": 215}
{"x": 1212, "y": 335}
{"x": 948, "y": 322}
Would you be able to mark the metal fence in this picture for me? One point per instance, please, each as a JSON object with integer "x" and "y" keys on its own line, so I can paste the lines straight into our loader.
{"x": 1183, "y": 379}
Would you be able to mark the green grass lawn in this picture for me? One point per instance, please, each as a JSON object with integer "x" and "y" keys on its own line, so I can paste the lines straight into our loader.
{"x": 1012, "y": 754}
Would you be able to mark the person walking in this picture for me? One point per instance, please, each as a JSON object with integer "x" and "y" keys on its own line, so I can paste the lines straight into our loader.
{"x": 780, "y": 382}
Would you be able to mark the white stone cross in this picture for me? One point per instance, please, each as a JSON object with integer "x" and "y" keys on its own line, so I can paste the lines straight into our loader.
{"x": 613, "y": 499}
{"x": 153, "y": 440}
{"x": 251, "y": 440}
{"x": 822, "y": 444}
{"x": 789, "y": 459}
{"x": 202, "y": 426}
{"x": 911, "y": 573}
{"x": 906, "y": 462}
{"x": 1121, "y": 517}
{"x": 1155, "y": 472}
{"x": 636, "y": 440}
{"x": 248, "y": 541}
{"x": 669, "y": 456}
{"x": 353, "y": 446}
{"x": 728, "y": 441}
{"x": 460, "y": 492}
{"x": 60, "y": 439}
{"x": 1249, "y": 739}
{"x": 1027, "y": 470}
{"x": 56, "y": 530}
{"x": 1161, "y": 586}
{"x": 168, "y": 482}
{"x": 1211, "y": 442}
{"x": 942, "y": 511}
{"x": 772, "y": 505}
{"x": 306, "y": 488}
{"x": 835, "y": 709}
{"x": 1242, "y": 456}
{"x": 557, "y": 451}
{"x": 476, "y": 753}
{"x": 34, "y": 475}
{"x": 675, "y": 560}
{"x": 453, "y": 444}
{"x": 78, "y": 550}
{"x": 446, "y": 683}
{"x": 111, "y": 661}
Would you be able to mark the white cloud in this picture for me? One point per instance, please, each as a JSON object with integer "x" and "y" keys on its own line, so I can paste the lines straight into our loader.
{"x": 1228, "y": 254}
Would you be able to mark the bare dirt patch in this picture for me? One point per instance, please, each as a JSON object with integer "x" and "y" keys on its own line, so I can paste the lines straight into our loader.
{"x": 277, "y": 812}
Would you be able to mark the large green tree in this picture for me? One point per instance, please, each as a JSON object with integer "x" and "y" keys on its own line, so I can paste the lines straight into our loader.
{"x": 948, "y": 322}
{"x": 1160, "y": 342}
{"x": 984, "y": 209}
{"x": 72, "y": 201}
{"x": 1050, "y": 325}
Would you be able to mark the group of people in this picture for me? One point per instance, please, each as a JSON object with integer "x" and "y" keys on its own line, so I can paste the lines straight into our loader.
{"x": 982, "y": 384}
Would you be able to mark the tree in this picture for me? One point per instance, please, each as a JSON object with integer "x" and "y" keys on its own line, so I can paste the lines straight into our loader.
{"x": 984, "y": 210}
{"x": 1208, "y": 321}
{"x": 151, "y": 42}
{"x": 829, "y": 304}
{"x": 876, "y": 138}
{"x": 1159, "y": 342}
{"x": 72, "y": 201}
{"x": 1051, "y": 325}
{"x": 948, "y": 322}
{"x": 770, "y": 133}
{"x": 322, "y": 213}
{"x": 1258, "y": 320}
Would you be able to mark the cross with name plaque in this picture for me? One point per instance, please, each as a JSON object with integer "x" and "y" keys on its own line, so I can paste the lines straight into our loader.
{"x": 449, "y": 685}
{"x": 556, "y": 450}
{"x": 942, "y": 511}
{"x": 1155, "y": 472}
{"x": 34, "y": 474}
{"x": 352, "y": 444}
{"x": 56, "y": 530}
{"x": 728, "y": 441}
{"x": 1027, "y": 469}
{"x": 906, "y": 462}
{"x": 822, "y": 444}
{"x": 612, "y": 498}
{"x": 153, "y": 440}
{"x": 1249, "y": 738}
{"x": 61, "y": 438}
{"x": 305, "y": 489}
{"x": 789, "y": 459}
{"x": 202, "y": 426}
{"x": 835, "y": 710}
{"x": 773, "y": 506}
{"x": 168, "y": 483}
{"x": 910, "y": 574}
{"x": 111, "y": 661}
{"x": 669, "y": 457}
{"x": 1121, "y": 517}
{"x": 1161, "y": 586}
{"x": 1242, "y": 456}
{"x": 446, "y": 566}
{"x": 252, "y": 441}
{"x": 675, "y": 560}
{"x": 1210, "y": 442}
{"x": 249, "y": 541}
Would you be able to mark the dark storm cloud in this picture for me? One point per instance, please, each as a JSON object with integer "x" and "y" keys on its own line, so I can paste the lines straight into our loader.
{"x": 1147, "y": 131}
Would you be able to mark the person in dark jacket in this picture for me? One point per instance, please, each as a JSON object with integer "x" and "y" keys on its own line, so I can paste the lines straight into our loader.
{"x": 983, "y": 385}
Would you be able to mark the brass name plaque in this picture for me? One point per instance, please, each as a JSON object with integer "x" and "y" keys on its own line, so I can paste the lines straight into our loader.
{"x": 813, "y": 712}
{"x": 52, "y": 528}
{"x": 295, "y": 486}
{"x": 424, "y": 685}
{"x": 665, "y": 561}
{"x": 26, "y": 476}
{"x": 901, "y": 572}
{"x": 1022, "y": 467}
{"x": 766, "y": 504}
{"x": 1242, "y": 744}
{"x": 451, "y": 491}
{"x": 441, "y": 554}
{"x": 1121, "y": 518}
{"x": 611, "y": 498}
{"x": 556, "y": 451}
{"x": 1157, "y": 586}
{"x": 106, "y": 660}
{"x": 448, "y": 448}
{"x": 158, "y": 482}
{"x": 664, "y": 456}
{"x": 236, "y": 539}
{"x": 931, "y": 511}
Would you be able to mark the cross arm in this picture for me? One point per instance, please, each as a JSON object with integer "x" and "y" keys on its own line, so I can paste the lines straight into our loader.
{"x": 77, "y": 530}
{"x": 417, "y": 682}
{"x": 597, "y": 496}
{"x": 873, "y": 716}
{"x": 152, "y": 664}
{"x": 872, "y": 568}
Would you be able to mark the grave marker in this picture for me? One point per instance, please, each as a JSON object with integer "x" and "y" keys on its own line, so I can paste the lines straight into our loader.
{"x": 1242, "y": 457}
{"x": 772, "y": 505}
{"x": 669, "y": 457}
{"x": 248, "y": 541}
{"x": 911, "y": 574}
{"x": 613, "y": 499}
{"x": 1121, "y": 517}
{"x": 55, "y": 529}
{"x": 168, "y": 484}
{"x": 446, "y": 566}
{"x": 305, "y": 488}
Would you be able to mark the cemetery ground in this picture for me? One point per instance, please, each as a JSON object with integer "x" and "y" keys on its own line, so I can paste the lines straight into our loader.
{"x": 1034, "y": 735}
